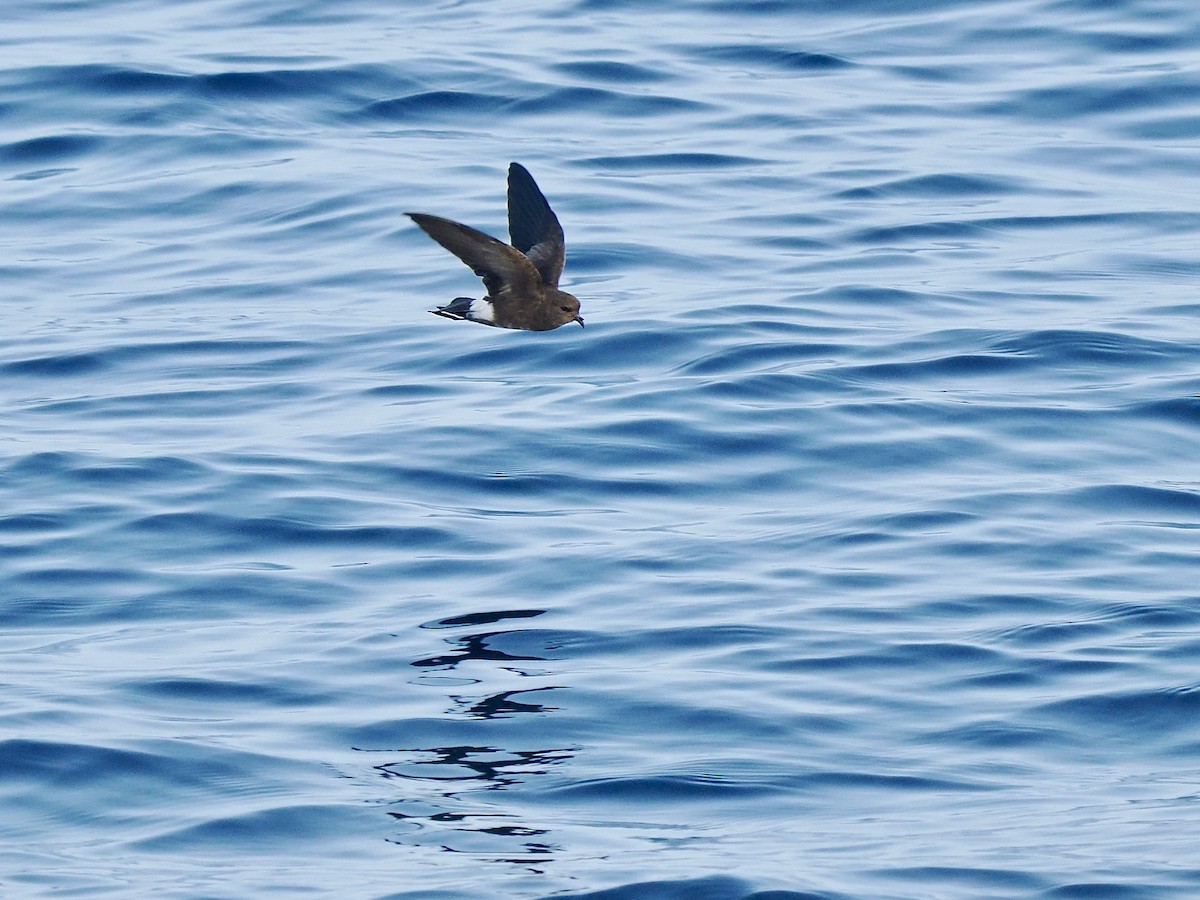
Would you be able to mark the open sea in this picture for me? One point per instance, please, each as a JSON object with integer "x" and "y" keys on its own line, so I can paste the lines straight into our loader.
{"x": 850, "y": 552}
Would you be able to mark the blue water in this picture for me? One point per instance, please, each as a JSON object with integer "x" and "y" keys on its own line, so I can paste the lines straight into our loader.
{"x": 852, "y": 550}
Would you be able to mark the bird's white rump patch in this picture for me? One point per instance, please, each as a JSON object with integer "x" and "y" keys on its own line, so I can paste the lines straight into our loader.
{"x": 483, "y": 311}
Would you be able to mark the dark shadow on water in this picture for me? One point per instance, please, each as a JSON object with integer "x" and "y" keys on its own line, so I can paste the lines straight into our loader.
{"x": 474, "y": 646}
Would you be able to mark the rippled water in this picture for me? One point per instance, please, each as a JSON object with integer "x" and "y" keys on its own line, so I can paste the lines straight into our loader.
{"x": 851, "y": 550}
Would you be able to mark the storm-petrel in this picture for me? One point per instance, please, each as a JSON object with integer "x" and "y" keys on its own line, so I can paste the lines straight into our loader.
{"x": 521, "y": 279}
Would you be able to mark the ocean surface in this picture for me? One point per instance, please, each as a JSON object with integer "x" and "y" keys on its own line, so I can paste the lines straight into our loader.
{"x": 852, "y": 550}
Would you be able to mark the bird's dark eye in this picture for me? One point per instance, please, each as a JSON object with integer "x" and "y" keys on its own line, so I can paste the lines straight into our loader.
{"x": 565, "y": 308}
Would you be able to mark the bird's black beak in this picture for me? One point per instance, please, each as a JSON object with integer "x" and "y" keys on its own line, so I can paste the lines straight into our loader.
{"x": 579, "y": 319}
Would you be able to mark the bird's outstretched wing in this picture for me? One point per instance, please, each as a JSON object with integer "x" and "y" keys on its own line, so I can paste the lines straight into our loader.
{"x": 504, "y": 270}
{"x": 532, "y": 225}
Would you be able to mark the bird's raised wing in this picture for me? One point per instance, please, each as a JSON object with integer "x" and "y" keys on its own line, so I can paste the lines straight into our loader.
{"x": 532, "y": 225}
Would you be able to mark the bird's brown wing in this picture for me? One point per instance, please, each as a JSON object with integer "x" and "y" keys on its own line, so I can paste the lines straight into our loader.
{"x": 532, "y": 225}
{"x": 502, "y": 268}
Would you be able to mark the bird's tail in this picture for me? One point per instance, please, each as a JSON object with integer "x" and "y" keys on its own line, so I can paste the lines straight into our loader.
{"x": 455, "y": 309}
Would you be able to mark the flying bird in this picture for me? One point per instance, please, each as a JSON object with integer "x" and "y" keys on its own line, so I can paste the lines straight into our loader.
{"x": 521, "y": 278}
